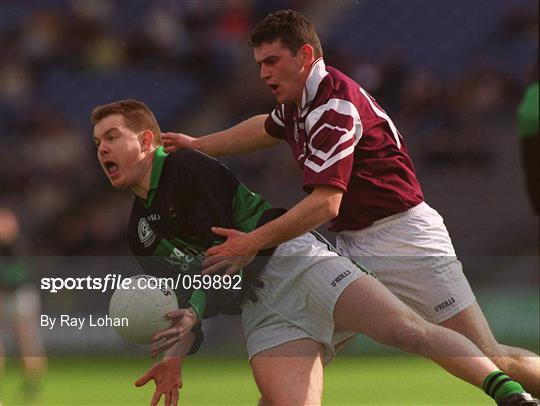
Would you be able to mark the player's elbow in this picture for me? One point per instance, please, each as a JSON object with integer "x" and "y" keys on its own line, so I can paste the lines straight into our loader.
{"x": 331, "y": 207}
{"x": 328, "y": 202}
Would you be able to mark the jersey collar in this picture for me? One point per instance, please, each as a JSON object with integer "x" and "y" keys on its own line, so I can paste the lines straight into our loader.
{"x": 316, "y": 75}
{"x": 157, "y": 169}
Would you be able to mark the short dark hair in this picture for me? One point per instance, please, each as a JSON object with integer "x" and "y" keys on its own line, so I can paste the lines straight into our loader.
{"x": 290, "y": 27}
{"x": 137, "y": 115}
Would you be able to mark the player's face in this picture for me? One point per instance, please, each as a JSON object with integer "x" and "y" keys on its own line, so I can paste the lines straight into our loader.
{"x": 120, "y": 152}
{"x": 285, "y": 74}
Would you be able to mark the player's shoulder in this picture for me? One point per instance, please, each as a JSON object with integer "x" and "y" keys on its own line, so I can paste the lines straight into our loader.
{"x": 188, "y": 158}
{"x": 192, "y": 164}
{"x": 339, "y": 85}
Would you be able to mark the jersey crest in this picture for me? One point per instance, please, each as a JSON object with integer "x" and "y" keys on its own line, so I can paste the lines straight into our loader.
{"x": 146, "y": 234}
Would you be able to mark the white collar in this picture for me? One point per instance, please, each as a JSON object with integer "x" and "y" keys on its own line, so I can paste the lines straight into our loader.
{"x": 314, "y": 79}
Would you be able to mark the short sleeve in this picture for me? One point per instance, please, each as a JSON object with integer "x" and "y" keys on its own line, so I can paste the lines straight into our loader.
{"x": 275, "y": 123}
{"x": 333, "y": 130}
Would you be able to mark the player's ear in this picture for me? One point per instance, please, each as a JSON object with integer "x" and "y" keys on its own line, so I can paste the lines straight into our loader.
{"x": 147, "y": 137}
{"x": 308, "y": 54}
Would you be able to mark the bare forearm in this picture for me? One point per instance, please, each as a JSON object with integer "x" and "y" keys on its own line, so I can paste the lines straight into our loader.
{"x": 305, "y": 216}
{"x": 247, "y": 136}
{"x": 181, "y": 348}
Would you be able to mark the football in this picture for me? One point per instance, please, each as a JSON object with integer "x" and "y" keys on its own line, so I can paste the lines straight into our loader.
{"x": 143, "y": 307}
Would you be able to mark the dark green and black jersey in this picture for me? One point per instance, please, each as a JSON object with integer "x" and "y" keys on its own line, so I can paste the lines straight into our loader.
{"x": 528, "y": 125}
{"x": 13, "y": 264}
{"x": 191, "y": 192}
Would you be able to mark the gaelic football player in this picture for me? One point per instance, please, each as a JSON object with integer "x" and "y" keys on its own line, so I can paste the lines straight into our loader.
{"x": 360, "y": 177}
{"x": 311, "y": 300}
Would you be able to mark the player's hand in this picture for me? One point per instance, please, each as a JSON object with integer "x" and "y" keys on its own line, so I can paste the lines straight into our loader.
{"x": 167, "y": 376}
{"x": 184, "y": 320}
{"x": 174, "y": 141}
{"x": 236, "y": 252}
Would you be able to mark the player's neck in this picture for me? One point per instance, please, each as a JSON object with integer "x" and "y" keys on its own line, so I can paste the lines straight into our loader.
{"x": 142, "y": 187}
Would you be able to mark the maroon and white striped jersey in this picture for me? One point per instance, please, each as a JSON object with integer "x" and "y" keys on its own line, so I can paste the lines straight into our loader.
{"x": 341, "y": 137}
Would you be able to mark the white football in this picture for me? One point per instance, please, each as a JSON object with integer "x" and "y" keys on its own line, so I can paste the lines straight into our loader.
{"x": 144, "y": 305}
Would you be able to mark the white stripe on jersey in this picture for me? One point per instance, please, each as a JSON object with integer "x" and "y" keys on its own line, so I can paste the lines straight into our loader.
{"x": 339, "y": 105}
{"x": 345, "y": 108}
{"x": 319, "y": 168}
{"x": 382, "y": 115}
{"x": 276, "y": 119}
{"x": 325, "y": 155}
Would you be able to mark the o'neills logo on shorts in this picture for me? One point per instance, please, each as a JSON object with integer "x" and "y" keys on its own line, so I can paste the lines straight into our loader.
{"x": 340, "y": 277}
{"x": 445, "y": 304}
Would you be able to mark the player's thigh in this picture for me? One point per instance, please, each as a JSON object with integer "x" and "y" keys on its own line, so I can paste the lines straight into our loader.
{"x": 366, "y": 306}
{"x": 290, "y": 373}
{"x": 26, "y": 309}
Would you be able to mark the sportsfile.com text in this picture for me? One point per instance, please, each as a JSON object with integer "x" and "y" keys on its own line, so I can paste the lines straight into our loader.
{"x": 114, "y": 281}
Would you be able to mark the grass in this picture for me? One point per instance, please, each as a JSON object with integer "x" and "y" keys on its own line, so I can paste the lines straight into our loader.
{"x": 228, "y": 381}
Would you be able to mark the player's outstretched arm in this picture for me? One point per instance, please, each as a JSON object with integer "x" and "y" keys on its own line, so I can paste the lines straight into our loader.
{"x": 240, "y": 248}
{"x": 249, "y": 135}
{"x": 167, "y": 374}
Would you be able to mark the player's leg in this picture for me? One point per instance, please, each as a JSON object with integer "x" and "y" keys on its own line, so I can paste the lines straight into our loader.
{"x": 2, "y": 330}
{"x": 290, "y": 373}
{"x": 25, "y": 326}
{"x": 520, "y": 364}
{"x": 367, "y": 307}
{"x": 414, "y": 258}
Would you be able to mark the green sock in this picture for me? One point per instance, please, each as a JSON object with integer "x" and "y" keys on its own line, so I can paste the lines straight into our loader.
{"x": 498, "y": 385}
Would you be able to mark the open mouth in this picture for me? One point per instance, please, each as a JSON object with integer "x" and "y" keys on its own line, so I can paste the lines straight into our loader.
{"x": 111, "y": 167}
{"x": 273, "y": 87}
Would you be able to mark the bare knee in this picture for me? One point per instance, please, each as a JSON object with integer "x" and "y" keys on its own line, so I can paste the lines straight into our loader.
{"x": 500, "y": 355}
{"x": 410, "y": 334}
{"x": 285, "y": 378}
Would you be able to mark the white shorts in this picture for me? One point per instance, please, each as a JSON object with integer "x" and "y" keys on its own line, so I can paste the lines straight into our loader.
{"x": 20, "y": 303}
{"x": 302, "y": 283}
{"x": 412, "y": 255}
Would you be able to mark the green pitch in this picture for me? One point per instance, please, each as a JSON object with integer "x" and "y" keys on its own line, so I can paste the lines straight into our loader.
{"x": 228, "y": 381}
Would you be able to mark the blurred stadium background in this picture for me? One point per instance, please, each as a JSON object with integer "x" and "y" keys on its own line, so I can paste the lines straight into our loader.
{"x": 450, "y": 73}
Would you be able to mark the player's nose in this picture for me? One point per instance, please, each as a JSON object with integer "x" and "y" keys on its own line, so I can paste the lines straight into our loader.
{"x": 103, "y": 149}
{"x": 264, "y": 73}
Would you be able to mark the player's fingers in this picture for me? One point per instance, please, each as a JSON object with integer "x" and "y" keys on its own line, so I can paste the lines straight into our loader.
{"x": 176, "y": 314}
{"x": 175, "y": 396}
{"x": 171, "y": 332}
{"x": 163, "y": 334}
{"x": 214, "y": 259}
{"x": 176, "y": 332}
{"x": 184, "y": 330}
{"x": 232, "y": 269}
{"x": 155, "y": 398}
{"x": 168, "y": 399}
{"x": 216, "y": 267}
{"x": 224, "y": 232}
{"x": 168, "y": 135}
{"x": 143, "y": 380}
